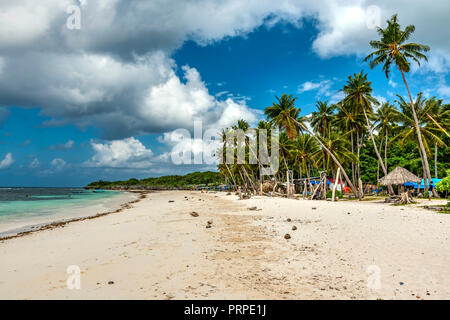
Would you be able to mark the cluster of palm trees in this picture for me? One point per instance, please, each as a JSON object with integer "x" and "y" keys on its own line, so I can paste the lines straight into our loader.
{"x": 331, "y": 138}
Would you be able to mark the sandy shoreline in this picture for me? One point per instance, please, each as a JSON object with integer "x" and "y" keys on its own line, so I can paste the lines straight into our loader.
{"x": 156, "y": 250}
{"x": 52, "y": 222}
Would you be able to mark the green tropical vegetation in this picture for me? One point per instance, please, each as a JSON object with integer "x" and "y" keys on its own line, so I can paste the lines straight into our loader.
{"x": 358, "y": 136}
{"x": 444, "y": 186}
{"x": 207, "y": 178}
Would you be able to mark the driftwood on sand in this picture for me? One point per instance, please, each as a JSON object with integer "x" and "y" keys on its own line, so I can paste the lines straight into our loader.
{"x": 403, "y": 198}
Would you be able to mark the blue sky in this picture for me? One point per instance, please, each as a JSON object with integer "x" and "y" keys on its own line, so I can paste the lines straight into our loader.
{"x": 66, "y": 119}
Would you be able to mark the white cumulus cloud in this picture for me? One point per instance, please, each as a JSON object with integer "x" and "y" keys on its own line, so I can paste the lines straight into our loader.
{"x": 7, "y": 161}
{"x": 58, "y": 164}
{"x": 34, "y": 163}
{"x": 323, "y": 87}
{"x": 126, "y": 153}
{"x": 63, "y": 146}
{"x": 116, "y": 72}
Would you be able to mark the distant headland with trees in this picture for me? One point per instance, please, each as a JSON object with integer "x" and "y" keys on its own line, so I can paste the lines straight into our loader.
{"x": 187, "y": 181}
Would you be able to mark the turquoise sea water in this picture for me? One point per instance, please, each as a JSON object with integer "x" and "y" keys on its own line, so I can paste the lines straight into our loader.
{"x": 21, "y": 207}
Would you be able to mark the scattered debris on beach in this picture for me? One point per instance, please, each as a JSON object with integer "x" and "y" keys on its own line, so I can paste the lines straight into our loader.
{"x": 194, "y": 214}
{"x": 287, "y": 236}
{"x": 294, "y": 228}
{"x": 253, "y": 208}
{"x": 438, "y": 208}
{"x": 288, "y": 220}
{"x": 171, "y": 201}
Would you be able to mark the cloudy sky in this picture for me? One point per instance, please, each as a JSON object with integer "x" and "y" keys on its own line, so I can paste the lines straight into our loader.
{"x": 104, "y": 101}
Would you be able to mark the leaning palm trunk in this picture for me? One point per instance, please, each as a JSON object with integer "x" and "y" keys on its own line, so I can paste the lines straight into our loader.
{"x": 231, "y": 175}
{"x": 251, "y": 183}
{"x": 287, "y": 177}
{"x": 380, "y": 161}
{"x": 378, "y": 172}
{"x": 261, "y": 181}
{"x": 385, "y": 150}
{"x": 300, "y": 162}
{"x": 228, "y": 168}
{"x": 261, "y": 177}
{"x": 426, "y": 167}
{"x": 438, "y": 125}
{"x": 331, "y": 155}
{"x": 358, "y": 166}
{"x": 353, "y": 164}
{"x": 378, "y": 166}
{"x": 244, "y": 183}
{"x": 336, "y": 180}
{"x": 435, "y": 160}
{"x": 308, "y": 176}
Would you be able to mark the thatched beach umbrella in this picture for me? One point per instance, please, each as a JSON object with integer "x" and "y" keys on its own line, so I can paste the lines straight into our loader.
{"x": 399, "y": 176}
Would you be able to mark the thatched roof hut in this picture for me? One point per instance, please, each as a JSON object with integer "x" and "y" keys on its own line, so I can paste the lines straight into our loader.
{"x": 399, "y": 176}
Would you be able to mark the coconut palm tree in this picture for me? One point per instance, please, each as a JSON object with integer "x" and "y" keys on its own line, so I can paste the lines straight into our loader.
{"x": 243, "y": 170}
{"x": 282, "y": 113}
{"x": 393, "y": 49}
{"x": 443, "y": 116}
{"x": 223, "y": 166}
{"x": 262, "y": 125}
{"x": 305, "y": 147}
{"x": 287, "y": 147}
{"x": 322, "y": 118}
{"x": 358, "y": 92}
{"x": 423, "y": 107}
{"x": 386, "y": 117}
{"x": 339, "y": 145}
{"x": 439, "y": 117}
{"x": 302, "y": 126}
{"x": 348, "y": 120}
{"x": 241, "y": 125}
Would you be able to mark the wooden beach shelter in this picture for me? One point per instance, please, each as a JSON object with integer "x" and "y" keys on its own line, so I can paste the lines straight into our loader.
{"x": 400, "y": 176}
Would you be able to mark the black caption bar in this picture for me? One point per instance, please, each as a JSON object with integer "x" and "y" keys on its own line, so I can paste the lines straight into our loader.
{"x": 217, "y": 309}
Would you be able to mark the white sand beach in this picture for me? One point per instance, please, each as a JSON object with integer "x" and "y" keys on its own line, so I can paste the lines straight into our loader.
{"x": 157, "y": 250}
